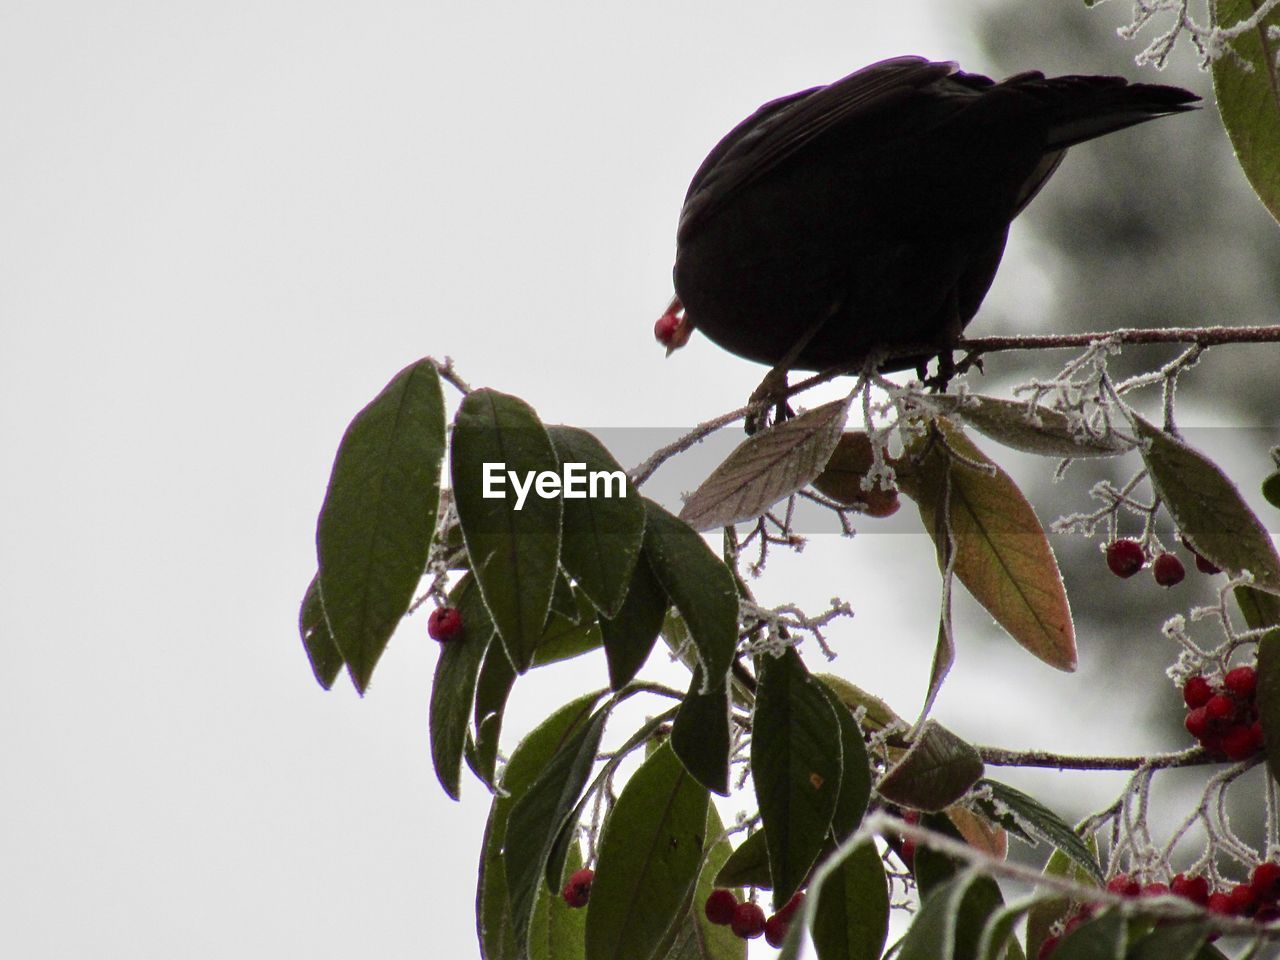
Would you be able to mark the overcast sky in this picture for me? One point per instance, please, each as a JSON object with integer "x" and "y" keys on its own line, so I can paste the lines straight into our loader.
{"x": 223, "y": 227}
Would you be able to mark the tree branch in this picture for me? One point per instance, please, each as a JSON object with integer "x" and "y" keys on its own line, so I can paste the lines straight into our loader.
{"x": 1000, "y": 757}
{"x": 1203, "y": 336}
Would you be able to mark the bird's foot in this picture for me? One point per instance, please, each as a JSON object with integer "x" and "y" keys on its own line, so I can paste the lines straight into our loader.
{"x": 946, "y": 372}
{"x": 772, "y": 392}
{"x": 971, "y": 361}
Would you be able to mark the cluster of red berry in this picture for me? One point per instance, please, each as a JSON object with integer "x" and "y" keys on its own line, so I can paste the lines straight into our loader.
{"x": 444, "y": 624}
{"x": 1257, "y": 898}
{"x": 1225, "y": 718}
{"x": 747, "y": 920}
{"x": 1126, "y": 557}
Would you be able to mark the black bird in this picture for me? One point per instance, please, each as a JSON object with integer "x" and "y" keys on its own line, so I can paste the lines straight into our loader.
{"x": 870, "y": 215}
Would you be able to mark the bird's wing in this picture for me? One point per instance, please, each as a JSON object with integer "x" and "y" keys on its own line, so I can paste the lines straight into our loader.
{"x": 782, "y": 127}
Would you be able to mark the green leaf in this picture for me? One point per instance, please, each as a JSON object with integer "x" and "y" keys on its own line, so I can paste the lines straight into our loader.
{"x": 748, "y": 866}
{"x": 767, "y": 467}
{"x": 326, "y": 658}
{"x": 1208, "y": 509}
{"x": 1261, "y": 610}
{"x": 951, "y": 919}
{"x": 933, "y": 869}
{"x": 850, "y": 907}
{"x": 877, "y": 715}
{"x": 492, "y": 689}
{"x": 379, "y": 513}
{"x": 855, "y": 776}
{"x": 650, "y": 857}
{"x": 530, "y": 758}
{"x": 540, "y": 815}
{"x": 602, "y": 533}
{"x": 566, "y": 637}
{"x": 1049, "y": 910}
{"x": 558, "y": 931}
{"x": 696, "y": 937}
{"x": 1268, "y": 698}
{"x": 796, "y": 764}
{"x": 1271, "y": 489}
{"x": 1102, "y": 938}
{"x": 700, "y": 734}
{"x": 996, "y": 932}
{"x": 1002, "y": 555}
{"x": 563, "y": 600}
{"x": 454, "y": 687}
{"x": 700, "y": 586}
{"x": 1179, "y": 942}
{"x": 514, "y": 552}
{"x": 1249, "y": 98}
{"x": 936, "y": 771}
{"x": 1017, "y": 811}
{"x": 1030, "y": 428}
{"x": 629, "y": 637}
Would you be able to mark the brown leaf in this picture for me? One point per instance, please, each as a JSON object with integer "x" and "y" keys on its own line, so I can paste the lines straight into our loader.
{"x": 766, "y": 468}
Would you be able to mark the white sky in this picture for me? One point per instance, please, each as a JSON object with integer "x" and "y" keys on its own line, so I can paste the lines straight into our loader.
{"x": 223, "y": 227}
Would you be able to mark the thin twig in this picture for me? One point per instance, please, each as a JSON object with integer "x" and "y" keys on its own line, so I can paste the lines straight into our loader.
{"x": 644, "y": 471}
{"x": 1000, "y": 757}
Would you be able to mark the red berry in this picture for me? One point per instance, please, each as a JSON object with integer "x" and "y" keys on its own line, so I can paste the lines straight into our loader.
{"x": 1238, "y": 743}
{"x": 1125, "y": 557}
{"x": 1212, "y": 742}
{"x": 444, "y": 624}
{"x": 908, "y": 854}
{"x": 1220, "y": 707}
{"x": 1168, "y": 570}
{"x": 720, "y": 906}
{"x": 1219, "y": 903}
{"x": 578, "y": 890}
{"x": 1124, "y": 885}
{"x": 1155, "y": 890}
{"x": 672, "y": 332}
{"x": 1203, "y": 565}
{"x": 1242, "y": 681}
{"x": 1196, "y": 691}
{"x": 1047, "y": 946}
{"x": 748, "y": 921}
{"x": 1242, "y": 898}
{"x": 791, "y": 906}
{"x": 1265, "y": 881}
{"x": 1195, "y": 889}
{"x": 1269, "y": 913}
{"x": 775, "y": 929}
{"x": 1197, "y": 722}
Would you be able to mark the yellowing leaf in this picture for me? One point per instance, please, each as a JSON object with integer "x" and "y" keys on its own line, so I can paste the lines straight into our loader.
{"x": 1001, "y": 552}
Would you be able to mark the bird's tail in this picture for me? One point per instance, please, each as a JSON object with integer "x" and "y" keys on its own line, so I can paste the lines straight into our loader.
{"x": 1082, "y": 108}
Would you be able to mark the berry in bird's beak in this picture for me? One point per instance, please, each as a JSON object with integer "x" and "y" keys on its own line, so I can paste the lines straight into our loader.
{"x": 672, "y": 330}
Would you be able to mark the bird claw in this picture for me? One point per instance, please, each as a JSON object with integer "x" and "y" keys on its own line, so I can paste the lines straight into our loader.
{"x": 772, "y": 391}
